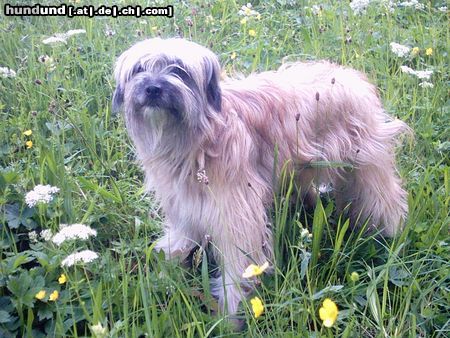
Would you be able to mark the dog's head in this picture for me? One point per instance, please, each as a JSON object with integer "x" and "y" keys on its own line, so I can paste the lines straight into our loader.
{"x": 172, "y": 80}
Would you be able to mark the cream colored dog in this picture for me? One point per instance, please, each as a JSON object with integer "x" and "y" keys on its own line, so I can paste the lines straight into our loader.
{"x": 208, "y": 149}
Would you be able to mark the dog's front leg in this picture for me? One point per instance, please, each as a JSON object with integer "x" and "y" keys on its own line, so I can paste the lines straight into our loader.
{"x": 243, "y": 238}
{"x": 177, "y": 241}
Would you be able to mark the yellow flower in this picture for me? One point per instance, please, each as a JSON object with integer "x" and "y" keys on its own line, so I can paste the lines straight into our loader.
{"x": 154, "y": 28}
{"x": 40, "y": 295}
{"x": 255, "y": 270}
{"x": 354, "y": 276}
{"x": 243, "y": 21}
{"x": 233, "y": 56}
{"x": 62, "y": 279}
{"x": 54, "y": 296}
{"x": 328, "y": 312}
{"x": 429, "y": 51}
{"x": 28, "y": 132}
{"x": 257, "y": 306}
{"x": 415, "y": 51}
{"x": 252, "y": 32}
{"x": 29, "y": 144}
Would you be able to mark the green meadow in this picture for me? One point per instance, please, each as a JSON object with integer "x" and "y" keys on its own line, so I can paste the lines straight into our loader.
{"x": 57, "y": 128}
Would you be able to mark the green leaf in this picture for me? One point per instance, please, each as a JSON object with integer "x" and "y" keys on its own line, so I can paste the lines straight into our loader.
{"x": 16, "y": 217}
{"x": 5, "y": 317}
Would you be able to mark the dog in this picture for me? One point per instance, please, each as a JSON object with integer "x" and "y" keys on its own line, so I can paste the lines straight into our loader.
{"x": 209, "y": 148}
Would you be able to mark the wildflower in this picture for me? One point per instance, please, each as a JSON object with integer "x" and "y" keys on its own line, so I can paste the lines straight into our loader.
{"x": 415, "y": 51}
{"x": 413, "y": 3}
{"x": 54, "y": 296}
{"x": 305, "y": 233}
{"x": 426, "y": 84}
{"x": 442, "y": 9}
{"x": 62, "y": 279}
{"x": 209, "y": 19}
{"x": 46, "y": 234}
{"x": 421, "y": 74}
{"x": 243, "y": 21}
{"x": 98, "y": 330}
{"x": 32, "y": 235}
{"x": 233, "y": 56}
{"x": 252, "y": 32}
{"x": 73, "y": 231}
{"x": 28, "y": 132}
{"x": 246, "y": 10}
{"x": 257, "y": 306}
{"x": 354, "y": 276}
{"x": 316, "y": 10}
{"x": 40, "y": 193}
{"x": 359, "y": 6}
{"x": 110, "y": 32}
{"x": 255, "y": 270}
{"x": 29, "y": 144}
{"x": 59, "y": 38}
{"x": 399, "y": 50}
{"x": 85, "y": 256}
{"x": 429, "y": 51}
{"x": 73, "y": 32}
{"x": 54, "y": 40}
{"x": 328, "y": 312}
{"x": 40, "y": 295}
{"x": 154, "y": 28}
{"x": 202, "y": 177}
{"x": 6, "y": 72}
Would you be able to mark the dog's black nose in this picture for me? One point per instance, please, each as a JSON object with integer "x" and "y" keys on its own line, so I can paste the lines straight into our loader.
{"x": 153, "y": 91}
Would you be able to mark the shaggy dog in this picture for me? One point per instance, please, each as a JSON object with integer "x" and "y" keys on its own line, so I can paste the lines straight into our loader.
{"x": 209, "y": 149}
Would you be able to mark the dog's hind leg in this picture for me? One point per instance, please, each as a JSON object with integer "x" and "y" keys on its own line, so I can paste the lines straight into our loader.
{"x": 373, "y": 189}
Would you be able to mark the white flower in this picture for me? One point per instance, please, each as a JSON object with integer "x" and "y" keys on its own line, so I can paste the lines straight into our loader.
{"x": 421, "y": 74}
{"x": 442, "y": 9}
{"x": 426, "y": 84}
{"x": 46, "y": 234}
{"x": 304, "y": 233}
{"x": 62, "y": 37}
{"x": 73, "y": 231}
{"x": 110, "y": 32}
{"x": 54, "y": 40}
{"x": 424, "y": 74}
{"x": 413, "y": 3}
{"x": 246, "y": 10}
{"x": 98, "y": 330}
{"x": 72, "y": 32}
{"x": 359, "y": 6}
{"x": 399, "y": 50}
{"x": 6, "y": 72}
{"x": 85, "y": 256}
{"x": 40, "y": 194}
{"x": 32, "y": 235}
{"x": 389, "y": 5}
{"x": 315, "y": 9}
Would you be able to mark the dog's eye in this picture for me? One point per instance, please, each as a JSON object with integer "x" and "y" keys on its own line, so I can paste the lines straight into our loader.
{"x": 181, "y": 73}
{"x": 138, "y": 68}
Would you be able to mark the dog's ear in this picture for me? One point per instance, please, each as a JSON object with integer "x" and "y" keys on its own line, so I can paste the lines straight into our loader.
{"x": 213, "y": 92}
{"x": 117, "y": 100}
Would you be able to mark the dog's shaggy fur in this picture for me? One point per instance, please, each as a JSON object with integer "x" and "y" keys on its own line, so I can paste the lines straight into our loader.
{"x": 188, "y": 127}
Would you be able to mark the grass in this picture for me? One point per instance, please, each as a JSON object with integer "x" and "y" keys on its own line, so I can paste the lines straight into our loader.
{"x": 80, "y": 146}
